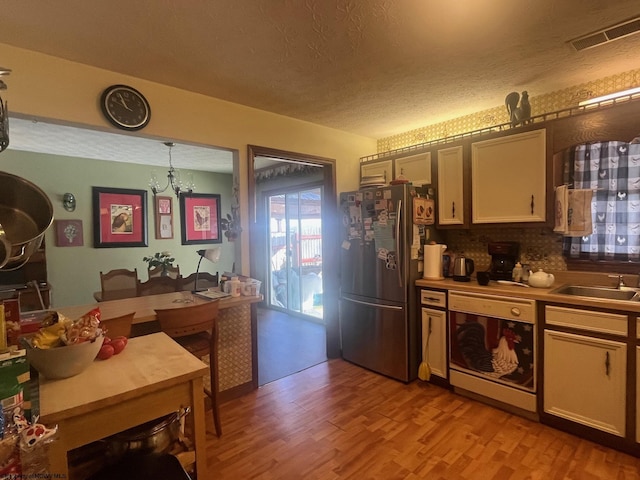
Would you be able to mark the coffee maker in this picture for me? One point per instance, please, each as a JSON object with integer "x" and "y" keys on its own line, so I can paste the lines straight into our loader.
{"x": 504, "y": 256}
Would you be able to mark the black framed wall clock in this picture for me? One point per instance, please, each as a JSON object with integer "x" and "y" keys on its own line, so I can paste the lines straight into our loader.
{"x": 125, "y": 107}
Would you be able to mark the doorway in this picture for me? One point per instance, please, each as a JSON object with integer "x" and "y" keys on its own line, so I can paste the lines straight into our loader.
{"x": 292, "y": 214}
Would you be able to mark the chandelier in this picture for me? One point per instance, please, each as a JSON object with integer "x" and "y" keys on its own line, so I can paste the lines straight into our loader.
{"x": 174, "y": 180}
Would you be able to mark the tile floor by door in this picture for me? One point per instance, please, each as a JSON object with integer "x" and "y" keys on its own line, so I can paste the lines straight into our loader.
{"x": 287, "y": 344}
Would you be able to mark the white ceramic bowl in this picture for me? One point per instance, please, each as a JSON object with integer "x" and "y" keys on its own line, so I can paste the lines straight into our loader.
{"x": 64, "y": 362}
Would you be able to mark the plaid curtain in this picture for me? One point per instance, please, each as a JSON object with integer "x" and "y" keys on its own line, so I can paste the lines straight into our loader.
{"x": 612, "y": 170}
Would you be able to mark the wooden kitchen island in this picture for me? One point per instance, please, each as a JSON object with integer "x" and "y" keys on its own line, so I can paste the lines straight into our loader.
{"x": 151, "y": 378}
{"x": 237, "y": 341}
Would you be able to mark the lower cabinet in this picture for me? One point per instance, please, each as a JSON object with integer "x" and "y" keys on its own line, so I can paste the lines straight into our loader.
{"x": 585, "y": 380}
{"x": 434, "y": 340}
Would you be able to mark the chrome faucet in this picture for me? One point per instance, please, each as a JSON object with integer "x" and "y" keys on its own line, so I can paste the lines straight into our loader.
{"x": 620, "y": 281}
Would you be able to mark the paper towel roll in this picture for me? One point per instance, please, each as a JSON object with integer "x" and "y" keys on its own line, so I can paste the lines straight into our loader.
{"x": 433, "y": 261}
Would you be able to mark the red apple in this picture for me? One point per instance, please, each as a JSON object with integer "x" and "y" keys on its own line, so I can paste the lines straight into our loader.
{"x": 106, "y": 352}
{"x": 117, "y": 345}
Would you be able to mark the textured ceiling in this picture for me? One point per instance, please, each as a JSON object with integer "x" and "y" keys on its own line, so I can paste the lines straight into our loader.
{"x": 371, "y": 67}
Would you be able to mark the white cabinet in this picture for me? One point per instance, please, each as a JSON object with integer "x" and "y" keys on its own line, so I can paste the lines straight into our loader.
{"x": 416, "y": 168}
{"x": 434, "y": 340}
{"x": 451, "y": 186}
{"x": 585, "y": 379}
{"x": 377, "y": 168}
{"x": 434, "y": 331}
{"x": 508, "y": 178}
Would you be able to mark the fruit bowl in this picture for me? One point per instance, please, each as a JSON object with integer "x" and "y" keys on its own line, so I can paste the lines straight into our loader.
{"x": 63, "y": 362}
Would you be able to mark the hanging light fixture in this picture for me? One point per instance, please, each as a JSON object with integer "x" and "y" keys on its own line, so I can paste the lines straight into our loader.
{"x": 174, "y": 180}
{"x": 607, "y": 99}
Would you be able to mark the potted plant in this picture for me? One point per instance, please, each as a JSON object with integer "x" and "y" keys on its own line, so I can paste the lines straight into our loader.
{"x": 160, "y": 259}
{"x": 231, "y": 227}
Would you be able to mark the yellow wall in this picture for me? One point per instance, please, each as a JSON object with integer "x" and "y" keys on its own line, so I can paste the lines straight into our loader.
{"x": 67, "y": 92}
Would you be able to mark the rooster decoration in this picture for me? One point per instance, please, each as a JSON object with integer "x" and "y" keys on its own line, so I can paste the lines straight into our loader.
{"x": 518, "y": 114}
{"x": 497, "y": 362}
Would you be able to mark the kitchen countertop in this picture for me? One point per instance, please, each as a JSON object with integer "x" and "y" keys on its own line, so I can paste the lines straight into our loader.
{"x": 544, "y": 294}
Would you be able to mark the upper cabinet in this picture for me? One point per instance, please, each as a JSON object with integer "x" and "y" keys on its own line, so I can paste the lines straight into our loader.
{"x": 377, "y": 168}
{"x": 508, "y": 178}
{"x": 451, "y": 206}
{"x": 416, "y": 168}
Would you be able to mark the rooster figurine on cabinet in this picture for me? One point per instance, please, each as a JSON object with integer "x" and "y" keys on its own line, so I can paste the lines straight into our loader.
{"x": 518, "y": 114}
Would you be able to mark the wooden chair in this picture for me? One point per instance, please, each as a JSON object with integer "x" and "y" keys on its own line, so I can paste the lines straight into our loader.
{"x": 34, "y": 297}
{"x": 157, "y": 285}
{"x": 173, "y": 272}
{"x": 118, "y": 326}
{"x": 195, "y": 327}
{"x": 205, "y": 280}
{"x": 118, "y": 283}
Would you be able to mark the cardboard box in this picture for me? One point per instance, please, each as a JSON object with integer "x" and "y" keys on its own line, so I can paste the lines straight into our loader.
{"x": 14, "y": 379}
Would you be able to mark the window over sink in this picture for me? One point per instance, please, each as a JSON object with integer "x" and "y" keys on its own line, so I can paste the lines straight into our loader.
{"x": 611, "y": 169}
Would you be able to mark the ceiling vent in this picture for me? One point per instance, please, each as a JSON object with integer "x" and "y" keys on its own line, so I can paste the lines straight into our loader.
{"x": 608, "y": 35}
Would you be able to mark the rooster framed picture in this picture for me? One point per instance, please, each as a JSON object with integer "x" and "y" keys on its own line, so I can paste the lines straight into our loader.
{"x": 200, "y": 218}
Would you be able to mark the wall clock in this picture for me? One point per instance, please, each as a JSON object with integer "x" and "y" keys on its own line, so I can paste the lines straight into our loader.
{"x": 125, "y": 107}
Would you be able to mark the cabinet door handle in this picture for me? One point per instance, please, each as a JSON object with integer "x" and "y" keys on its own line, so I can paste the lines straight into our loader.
{"x": 607, "y": 364}
{"x": 532, "y": 204}
{"x": 453, "y": 209}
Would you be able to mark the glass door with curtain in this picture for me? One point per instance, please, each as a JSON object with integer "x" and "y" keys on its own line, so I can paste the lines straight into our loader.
{"x": 295, "y": 251}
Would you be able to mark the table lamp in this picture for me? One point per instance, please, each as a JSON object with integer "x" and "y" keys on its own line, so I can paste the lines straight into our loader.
{"x": 211, "y": 254}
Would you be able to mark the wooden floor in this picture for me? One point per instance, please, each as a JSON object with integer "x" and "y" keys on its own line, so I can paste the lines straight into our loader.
{"x": 338, "y": 421}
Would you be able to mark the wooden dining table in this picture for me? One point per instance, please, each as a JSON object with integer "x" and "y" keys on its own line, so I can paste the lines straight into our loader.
{"x": 237, "y": 325}
{"x": 144, "y": 306}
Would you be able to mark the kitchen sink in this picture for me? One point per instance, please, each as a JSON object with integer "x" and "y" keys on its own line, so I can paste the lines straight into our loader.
{"x": 606, "y": 293}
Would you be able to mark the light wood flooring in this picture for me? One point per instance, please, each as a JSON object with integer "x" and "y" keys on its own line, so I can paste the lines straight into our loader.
{"x": 338, "y": 421}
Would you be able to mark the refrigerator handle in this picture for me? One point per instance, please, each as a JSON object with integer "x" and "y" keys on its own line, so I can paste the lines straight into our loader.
{"x": 369, "y": 304}
{"x": 399, "y": 245}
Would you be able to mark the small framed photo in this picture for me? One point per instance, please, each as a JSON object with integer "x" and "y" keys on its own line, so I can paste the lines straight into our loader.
{"x": 164, "y": 218}
{"x": 119, "y": 217}
{"x": 200, "y": 218}
{"x": 69, "y": 233}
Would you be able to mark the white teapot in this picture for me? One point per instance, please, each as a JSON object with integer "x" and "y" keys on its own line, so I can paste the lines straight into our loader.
{"x": 541, "y": 279}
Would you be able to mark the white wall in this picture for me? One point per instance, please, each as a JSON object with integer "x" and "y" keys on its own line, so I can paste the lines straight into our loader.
{"x": 52, "y": 88}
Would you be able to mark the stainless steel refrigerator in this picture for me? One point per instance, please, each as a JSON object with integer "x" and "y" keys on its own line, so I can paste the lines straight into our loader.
{"x": 382, "y": 234}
